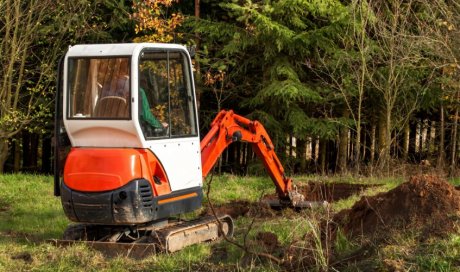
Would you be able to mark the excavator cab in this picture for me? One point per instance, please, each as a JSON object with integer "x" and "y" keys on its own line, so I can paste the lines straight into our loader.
{"x": 130, "y": 114}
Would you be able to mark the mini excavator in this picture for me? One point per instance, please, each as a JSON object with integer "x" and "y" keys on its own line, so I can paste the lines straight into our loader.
{"x": 128, "y": 150}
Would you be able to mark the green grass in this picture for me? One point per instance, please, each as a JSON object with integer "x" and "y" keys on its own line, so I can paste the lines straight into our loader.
{"x": 455, "y": 181}
{"x": 30, "y": 214}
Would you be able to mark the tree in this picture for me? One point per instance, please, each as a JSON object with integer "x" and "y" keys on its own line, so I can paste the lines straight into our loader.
{"x": 345, "y": 70}
{"x": 33, "y": 35}
{"x": 400, "y": 71}
{"x": 266, "y": 48}
{"x": 154, "y": 20}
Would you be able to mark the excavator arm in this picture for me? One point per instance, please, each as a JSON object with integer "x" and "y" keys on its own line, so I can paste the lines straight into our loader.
{"x": 229, "y": 127}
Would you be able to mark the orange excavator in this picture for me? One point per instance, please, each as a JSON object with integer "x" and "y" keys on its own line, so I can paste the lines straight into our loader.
{"x": 128, "y": 151}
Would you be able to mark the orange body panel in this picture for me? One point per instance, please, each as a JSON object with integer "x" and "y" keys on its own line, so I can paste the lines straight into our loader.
{"x": 105, "y": 169}
{"x": 153, "y": 167}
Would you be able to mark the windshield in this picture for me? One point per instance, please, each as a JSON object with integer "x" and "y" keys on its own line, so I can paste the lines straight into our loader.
{"x": 99, "y": 88}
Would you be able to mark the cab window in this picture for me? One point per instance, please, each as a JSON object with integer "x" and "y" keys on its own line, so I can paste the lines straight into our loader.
{"x": 99, "y": 88}
{"x": 166, "y": 103}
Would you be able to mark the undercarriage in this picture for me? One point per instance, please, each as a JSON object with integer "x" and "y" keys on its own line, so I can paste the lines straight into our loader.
{"x": 139, "y": 241}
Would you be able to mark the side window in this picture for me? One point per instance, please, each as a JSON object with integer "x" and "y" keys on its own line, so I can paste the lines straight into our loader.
{"x": 181, "y": 98}
{"x": 166, "y": 105}
{"x": 153, "y": 95}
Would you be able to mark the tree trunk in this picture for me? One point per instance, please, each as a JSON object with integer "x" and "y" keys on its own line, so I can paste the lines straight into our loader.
{"x": 17, "y": 156}
{"x": 412, "y": 142}
{"x": 454, "y": 139}
{"x": 331, "y": 159}
{"x": 301, "y": 154}
{"x": 364, "y": 147}
{"x": 238, "y": 157}
{"x": 291, "y": 147}
{"x": 387, "y": 143}
{"x": 442, "y": 137}
{"x": 382, "y": 138}
{"x": 198, "y": 81}
{"x": 405, "y": 152}
{"x": 420, "y": 139}
{"x": 322, "y": 155}
{"x": 46, "y": 155}
{"x": 34, "y": 143}
{"x": 357, "y": 154}
{"x": 373, "y": 140}
{"x": 431, "y": 137}
{"x": 25, "y": 150}
{"x": 3, "y": 153}
{"x": 343, "y": 145}
{"x": 425, "y": 125}
{"x": 314, "y": 150}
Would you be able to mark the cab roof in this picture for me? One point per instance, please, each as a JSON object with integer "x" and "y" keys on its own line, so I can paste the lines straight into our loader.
{"x": 120, "y": 49}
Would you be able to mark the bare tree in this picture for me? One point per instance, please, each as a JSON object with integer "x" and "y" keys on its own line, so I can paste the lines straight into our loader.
{"x": 33, "y": 34}
{"x": 348, "y": 71}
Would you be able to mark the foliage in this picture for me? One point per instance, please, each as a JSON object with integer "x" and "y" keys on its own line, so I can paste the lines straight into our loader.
{"x": 27, "y": 70}
{"x": 273, "y": 41}
{"x": 154, "y": 20}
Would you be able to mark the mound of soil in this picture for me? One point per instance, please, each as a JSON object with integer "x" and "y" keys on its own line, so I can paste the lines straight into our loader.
{"x": 425, "y": 203}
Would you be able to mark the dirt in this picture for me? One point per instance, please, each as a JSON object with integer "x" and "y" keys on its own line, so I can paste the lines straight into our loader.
{"x": 425, "y": 203}
{"x": 242, "y": 208}
{"x": 4, "y": 207}
{"x": 268, "y": 240}
{"x": 219, "y": 254}
{"x": 330, "y": 192}
{"x": 25, "y": 256}
{"x": 315, "y": 191}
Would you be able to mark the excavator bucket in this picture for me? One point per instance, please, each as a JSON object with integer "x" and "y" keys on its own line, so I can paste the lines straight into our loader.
{"x": 279, "y": 204}
{"x": 296, "y": 201}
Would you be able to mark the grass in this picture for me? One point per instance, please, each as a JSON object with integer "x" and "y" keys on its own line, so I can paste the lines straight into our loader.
{"x": 30, "y": 214}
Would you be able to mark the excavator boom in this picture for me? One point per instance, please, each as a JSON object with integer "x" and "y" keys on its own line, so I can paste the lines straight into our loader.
{"x": 229, "y": 127}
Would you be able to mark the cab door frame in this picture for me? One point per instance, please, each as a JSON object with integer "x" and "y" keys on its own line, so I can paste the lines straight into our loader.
{"x": 180, "y": 156}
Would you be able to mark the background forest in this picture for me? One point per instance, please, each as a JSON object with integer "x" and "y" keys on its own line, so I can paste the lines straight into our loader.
{"x": 359, "y": 86}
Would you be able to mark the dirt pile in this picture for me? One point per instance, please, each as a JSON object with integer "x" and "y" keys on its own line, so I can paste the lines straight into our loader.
{"x": 425, "y": 203}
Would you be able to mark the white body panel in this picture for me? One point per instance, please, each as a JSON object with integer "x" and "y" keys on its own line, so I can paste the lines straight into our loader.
{"x": 180, "y": 157}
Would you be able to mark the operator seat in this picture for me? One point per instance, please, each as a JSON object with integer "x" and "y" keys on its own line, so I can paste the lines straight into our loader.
{"x": 111, "y": 107}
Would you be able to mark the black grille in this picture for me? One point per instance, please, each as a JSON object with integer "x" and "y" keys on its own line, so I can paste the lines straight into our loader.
{"x": 145, "y": 191}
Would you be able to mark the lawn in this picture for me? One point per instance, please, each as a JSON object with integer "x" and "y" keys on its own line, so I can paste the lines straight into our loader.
{"x": 30, "y": 214}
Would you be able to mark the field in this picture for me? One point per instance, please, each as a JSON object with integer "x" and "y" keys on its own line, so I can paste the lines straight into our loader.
{"x": 274, "y": 240}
